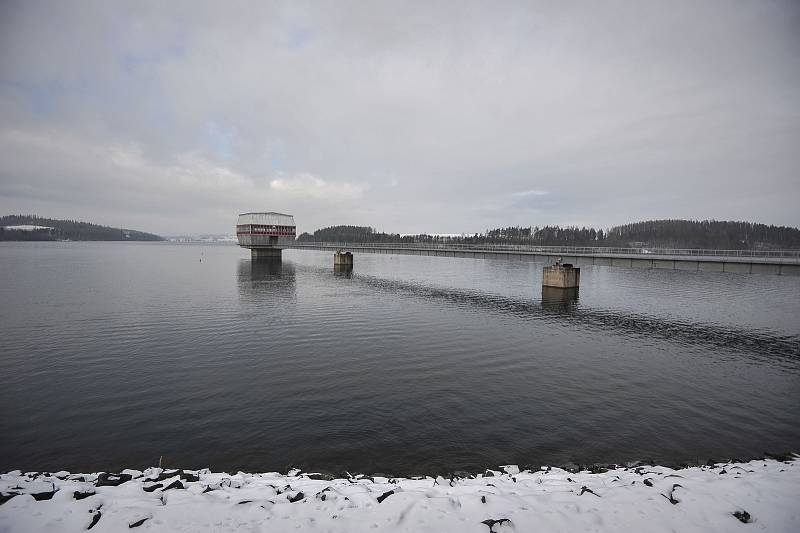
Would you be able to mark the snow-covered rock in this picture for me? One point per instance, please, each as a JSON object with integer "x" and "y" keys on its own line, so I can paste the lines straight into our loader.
{"x": 759, "y": 495}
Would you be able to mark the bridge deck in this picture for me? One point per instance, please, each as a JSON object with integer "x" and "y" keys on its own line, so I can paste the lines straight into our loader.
{"x": 781, "y": 262}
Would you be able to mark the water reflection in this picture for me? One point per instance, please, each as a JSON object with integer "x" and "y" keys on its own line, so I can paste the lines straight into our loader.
{"x": 343, "y": 271}
{"x": 268, "y": 276}
{"x": 559, "y": 299}
{"x": 261, "y": 268}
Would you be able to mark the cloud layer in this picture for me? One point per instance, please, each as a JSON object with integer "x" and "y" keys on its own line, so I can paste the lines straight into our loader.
{"x": 441, "y": 117}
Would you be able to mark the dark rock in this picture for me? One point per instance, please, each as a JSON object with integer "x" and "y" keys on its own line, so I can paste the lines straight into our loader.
{"x": 743, "y": 516}
{"x": 296, "y": 498}
{"x": 5, "y": 496}
{"x": 46, "y": 495}
{"x": 483, "y": 499}
{"x": 315, "y": 476}
{"x": 384, "y": 496}
{"x": 95, "y": 519}
{"x": 488, "y": 473}
{"x": 648, "y": 482}
{"x": 571, "y": 467}
{"x": 779, "y": 456}
{"x": 244, "y": 501}
{"x": 81, "y": 494}
{"x": 671, "y": 497}
{"x": 175, "y": 485}
{"x": 208, "y": 489}
{"x": 111, "y": 480}
{"x": 586, "y": 489}
{"x": 151, "y": 488}
{"x": 138, "y": 522}
{"x": 491, "y": 522}
{"x": 189, "y": 476}
{"x": 166, "y": 474}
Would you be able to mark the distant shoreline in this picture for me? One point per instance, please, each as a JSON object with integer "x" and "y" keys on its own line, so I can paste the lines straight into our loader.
{"x": 34, "y": 228}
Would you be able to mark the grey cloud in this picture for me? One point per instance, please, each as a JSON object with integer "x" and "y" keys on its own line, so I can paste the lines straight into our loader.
{"x": 174, "y": 116}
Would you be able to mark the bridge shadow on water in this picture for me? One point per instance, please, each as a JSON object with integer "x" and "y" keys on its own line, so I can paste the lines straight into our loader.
{"x": 561, "y": 307}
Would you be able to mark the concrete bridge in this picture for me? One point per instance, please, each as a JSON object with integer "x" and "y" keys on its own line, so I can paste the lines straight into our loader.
{"x": 776, "y": 262}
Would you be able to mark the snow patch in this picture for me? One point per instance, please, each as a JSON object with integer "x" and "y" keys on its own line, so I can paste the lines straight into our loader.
{"x": 723, "y": 497}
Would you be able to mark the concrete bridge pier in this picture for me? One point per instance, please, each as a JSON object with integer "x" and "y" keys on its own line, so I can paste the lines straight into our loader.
{"x": 265, "y": 253}
{"x": 561, "y": 276}
{"x": 342, "y": 261}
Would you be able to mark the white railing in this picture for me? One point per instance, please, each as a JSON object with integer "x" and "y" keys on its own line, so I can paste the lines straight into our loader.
{"x": 556, "y": 250}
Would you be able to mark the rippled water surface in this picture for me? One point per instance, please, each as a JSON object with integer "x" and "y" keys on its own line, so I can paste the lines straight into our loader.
{"x": 115, "y": 354}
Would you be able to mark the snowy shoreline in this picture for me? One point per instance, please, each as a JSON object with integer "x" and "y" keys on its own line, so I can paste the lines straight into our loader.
{"x": 758, "y": 495}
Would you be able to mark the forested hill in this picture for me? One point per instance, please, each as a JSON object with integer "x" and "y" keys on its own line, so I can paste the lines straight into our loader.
{"x": 350, "y": 234}
{"x": 651, "y": 233}
{"x": 54, "y": 230}
{"x": 707, "y": 234}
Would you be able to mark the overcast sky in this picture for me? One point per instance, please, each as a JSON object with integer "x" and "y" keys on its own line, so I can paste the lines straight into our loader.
{"x": 445, "y": 117}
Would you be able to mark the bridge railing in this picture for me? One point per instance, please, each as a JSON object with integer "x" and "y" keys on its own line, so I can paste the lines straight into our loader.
{"x": 557, "y": 250}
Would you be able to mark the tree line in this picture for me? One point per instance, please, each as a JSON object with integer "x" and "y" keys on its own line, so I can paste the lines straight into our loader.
{"x": 730, "y": 235}
{"x": 59, "y": 230}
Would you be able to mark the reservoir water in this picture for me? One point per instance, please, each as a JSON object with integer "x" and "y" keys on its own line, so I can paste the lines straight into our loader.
{"x": 113, "y": 355}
